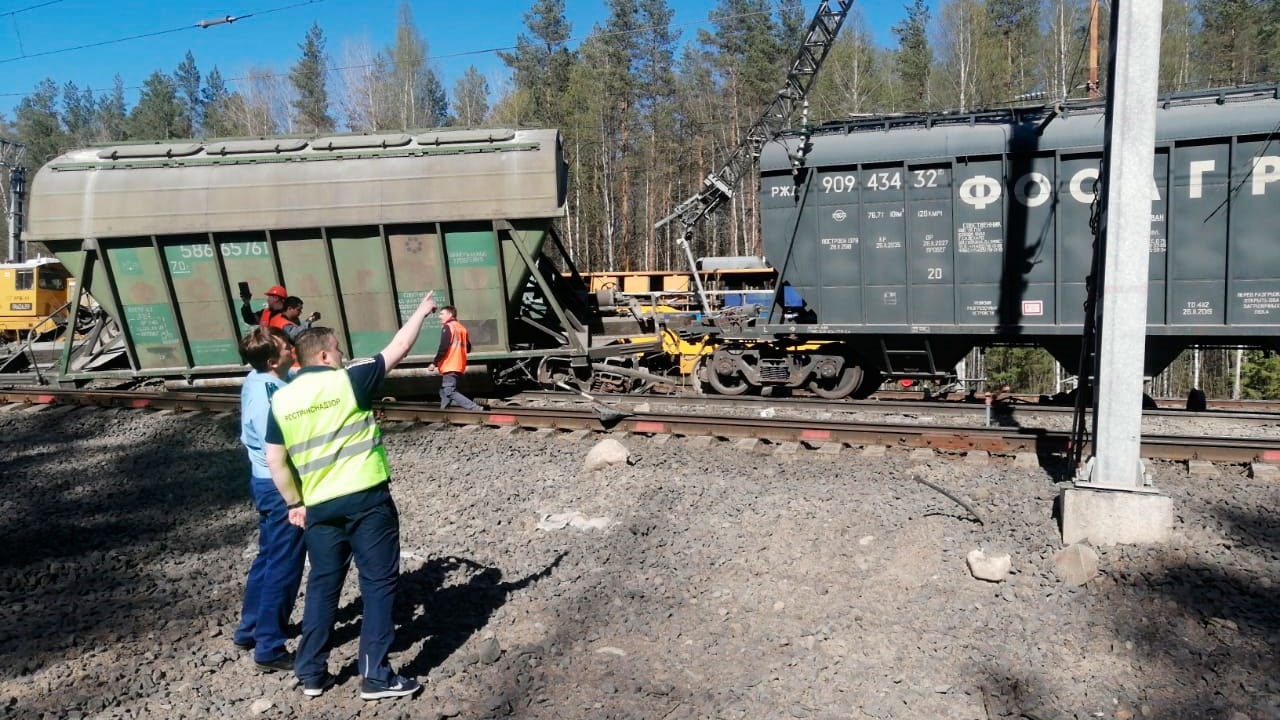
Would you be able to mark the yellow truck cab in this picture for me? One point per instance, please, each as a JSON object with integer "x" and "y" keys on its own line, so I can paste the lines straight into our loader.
{"x": 30, "y": 292}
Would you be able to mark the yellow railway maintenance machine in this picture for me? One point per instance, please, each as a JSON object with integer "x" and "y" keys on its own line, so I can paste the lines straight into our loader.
{"x": 31, "y": 293}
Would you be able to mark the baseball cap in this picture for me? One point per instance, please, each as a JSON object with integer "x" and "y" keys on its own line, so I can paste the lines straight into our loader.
{"x": 277, "y": 290}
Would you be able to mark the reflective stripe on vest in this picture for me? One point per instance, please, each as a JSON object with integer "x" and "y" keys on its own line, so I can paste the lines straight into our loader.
{"x": 455, "y": 360}
{"x": 335, "y": 446}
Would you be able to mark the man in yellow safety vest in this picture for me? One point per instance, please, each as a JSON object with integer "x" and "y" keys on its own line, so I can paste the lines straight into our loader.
{"x": 323, "y": 423}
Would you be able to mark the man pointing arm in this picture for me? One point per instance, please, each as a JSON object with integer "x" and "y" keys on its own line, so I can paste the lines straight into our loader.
{"x": 323, "y": 422}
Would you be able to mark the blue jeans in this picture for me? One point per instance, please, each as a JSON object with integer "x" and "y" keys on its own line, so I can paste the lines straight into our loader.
{"x": 449, "y": 393}
{"x": 370, "y": 532}
{"x": 274, "y": 576}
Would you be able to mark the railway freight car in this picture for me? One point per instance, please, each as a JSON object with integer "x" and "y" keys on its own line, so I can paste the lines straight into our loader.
{"x": 166, "y": 236}
{"x": 914, "y": 239}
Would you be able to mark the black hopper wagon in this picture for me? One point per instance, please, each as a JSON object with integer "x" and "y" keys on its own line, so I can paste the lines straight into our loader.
{"x": 911, "y": 240}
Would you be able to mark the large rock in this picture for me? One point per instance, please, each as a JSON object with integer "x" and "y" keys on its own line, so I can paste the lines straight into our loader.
{"x": 993, "y": 568}
{"x": 1076, "y": 564}
{"x": 605, "y": 454}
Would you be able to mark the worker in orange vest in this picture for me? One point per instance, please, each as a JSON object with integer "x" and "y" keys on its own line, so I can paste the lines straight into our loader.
{"x": 451, "y": 359}
{"x": 275, "y": 306}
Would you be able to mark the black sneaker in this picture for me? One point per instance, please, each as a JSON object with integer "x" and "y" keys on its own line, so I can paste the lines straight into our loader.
{"x": 397, "y": 686}
{"x": 316, "y": 687}
{"x": 280, "y": 663}
{"x": 244, "y": 644}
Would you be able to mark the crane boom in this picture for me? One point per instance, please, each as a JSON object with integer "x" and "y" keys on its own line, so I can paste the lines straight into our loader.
{"x": 718, "y": 187}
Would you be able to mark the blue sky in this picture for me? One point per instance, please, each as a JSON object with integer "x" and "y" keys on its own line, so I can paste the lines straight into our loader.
{"x": 459, "y": 34}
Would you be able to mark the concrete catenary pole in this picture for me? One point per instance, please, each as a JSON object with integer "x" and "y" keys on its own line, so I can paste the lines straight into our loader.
{"x": 1113, "y": 503}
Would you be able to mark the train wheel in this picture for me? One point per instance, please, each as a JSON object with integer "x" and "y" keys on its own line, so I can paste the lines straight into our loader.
{"x": 726, "y": 384}
{"x": 871, "y": 381}
{"x": 837, "y": 388}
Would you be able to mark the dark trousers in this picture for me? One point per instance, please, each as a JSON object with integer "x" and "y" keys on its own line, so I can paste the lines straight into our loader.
{"x": 449, "y": 393}
{"x": 274, "y": 576}
{"x": 372, "y": 535}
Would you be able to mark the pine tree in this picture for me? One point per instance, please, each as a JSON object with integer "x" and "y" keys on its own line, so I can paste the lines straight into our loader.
{"x": 1229, "y": 46}
{"x": 470, "y": 99}
{"x": 38, "y": 126}
{"x": 158, "y": 114}
{"x": 187, "y": 79}
{"x": 311, "y": 106}
{"x": 914, "y": 57}
{"x": 656, "y": 106}
{"x": 112, "y": 114}
{"x": 542, "y": 62}
{"x": 216, "y": 100}
{"x": 1016, "y": 27}
{"x": 78, "y": 114}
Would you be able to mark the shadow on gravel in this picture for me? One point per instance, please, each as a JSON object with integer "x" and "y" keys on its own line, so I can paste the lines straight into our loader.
{"x": 1199, "y": 636}
{"x": 100, "y": 535}
{"x": 1219, "y": 627}
{"x": 449, "y": 616}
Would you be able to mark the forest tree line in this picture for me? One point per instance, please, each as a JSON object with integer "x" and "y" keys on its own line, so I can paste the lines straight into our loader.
{"x": 646, "y": 110}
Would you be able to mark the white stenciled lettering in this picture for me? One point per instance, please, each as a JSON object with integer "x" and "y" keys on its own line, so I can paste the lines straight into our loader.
{"x": 1078, "y": 180}
{"x": 980, "y": 191}
{"x": 782, "y": 191}
{"x": 1197, "y": 169}
{"x": 1266, "y": 169}
{"x": 1024, "y": 183}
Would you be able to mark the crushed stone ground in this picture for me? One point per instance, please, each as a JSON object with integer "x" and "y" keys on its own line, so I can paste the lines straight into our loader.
{"x": 723, "y": 584}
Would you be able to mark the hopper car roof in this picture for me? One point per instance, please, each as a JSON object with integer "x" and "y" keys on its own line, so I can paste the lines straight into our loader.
{"x": 892, "y": 139}
{"x": 197, "y": 186}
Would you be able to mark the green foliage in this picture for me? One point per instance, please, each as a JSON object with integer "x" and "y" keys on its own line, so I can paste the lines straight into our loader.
{"x": 915, "y": 56}
{"x": 1023, "y": 369}
{"x": 38, "y": 126}
{"x": 1260, "y": 376}
{"x": 79, "y": 114}
{"x": 542, "y": 64}
{"x": 311, "y": 106}
{"x": 187, "y": 79}
{"x": 112, "y": 115}
{"x": 158, "y": 115}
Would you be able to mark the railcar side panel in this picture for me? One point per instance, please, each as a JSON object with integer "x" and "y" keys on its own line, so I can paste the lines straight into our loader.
{"x": 359, "y": 227}
{"x": 979, "y": 227}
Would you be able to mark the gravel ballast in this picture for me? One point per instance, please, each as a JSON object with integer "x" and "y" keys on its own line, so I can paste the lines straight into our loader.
{"x": 689, "y": 582}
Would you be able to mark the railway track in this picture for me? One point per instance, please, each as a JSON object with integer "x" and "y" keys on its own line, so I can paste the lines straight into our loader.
{"x": 824, "y": 435}
{"x": 1004, "y": 413}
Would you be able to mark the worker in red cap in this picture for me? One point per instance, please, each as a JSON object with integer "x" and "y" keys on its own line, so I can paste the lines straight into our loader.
{"x": 275, "y": 306}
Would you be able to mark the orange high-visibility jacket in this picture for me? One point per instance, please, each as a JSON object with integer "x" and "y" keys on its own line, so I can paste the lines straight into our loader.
{"x": 455, "y": 356}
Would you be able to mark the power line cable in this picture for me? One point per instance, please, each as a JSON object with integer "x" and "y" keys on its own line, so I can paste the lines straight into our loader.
{"x": 364, "y": 66}
{"x": 30, "y": 7}
{"x": 200, "y": 25}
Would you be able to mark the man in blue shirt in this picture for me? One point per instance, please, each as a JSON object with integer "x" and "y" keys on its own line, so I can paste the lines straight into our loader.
{"x": 276, "y": 572}
{"x": 323, "y": 424}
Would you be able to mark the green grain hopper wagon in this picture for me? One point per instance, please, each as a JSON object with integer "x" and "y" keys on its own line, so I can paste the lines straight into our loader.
{"x": 359, "y": 226}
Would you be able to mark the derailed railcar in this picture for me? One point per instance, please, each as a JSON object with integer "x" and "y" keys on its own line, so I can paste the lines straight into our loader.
{"x": 358, "y": 226}
{"x": 914, "y": 239}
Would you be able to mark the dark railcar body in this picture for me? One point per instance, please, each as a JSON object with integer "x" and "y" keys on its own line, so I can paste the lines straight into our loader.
{"x": 915, "y": 239}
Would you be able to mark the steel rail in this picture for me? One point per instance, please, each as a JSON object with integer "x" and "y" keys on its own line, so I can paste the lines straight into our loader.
{"x": 1006, "y": 411}
{"x": 812, "y": 433}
